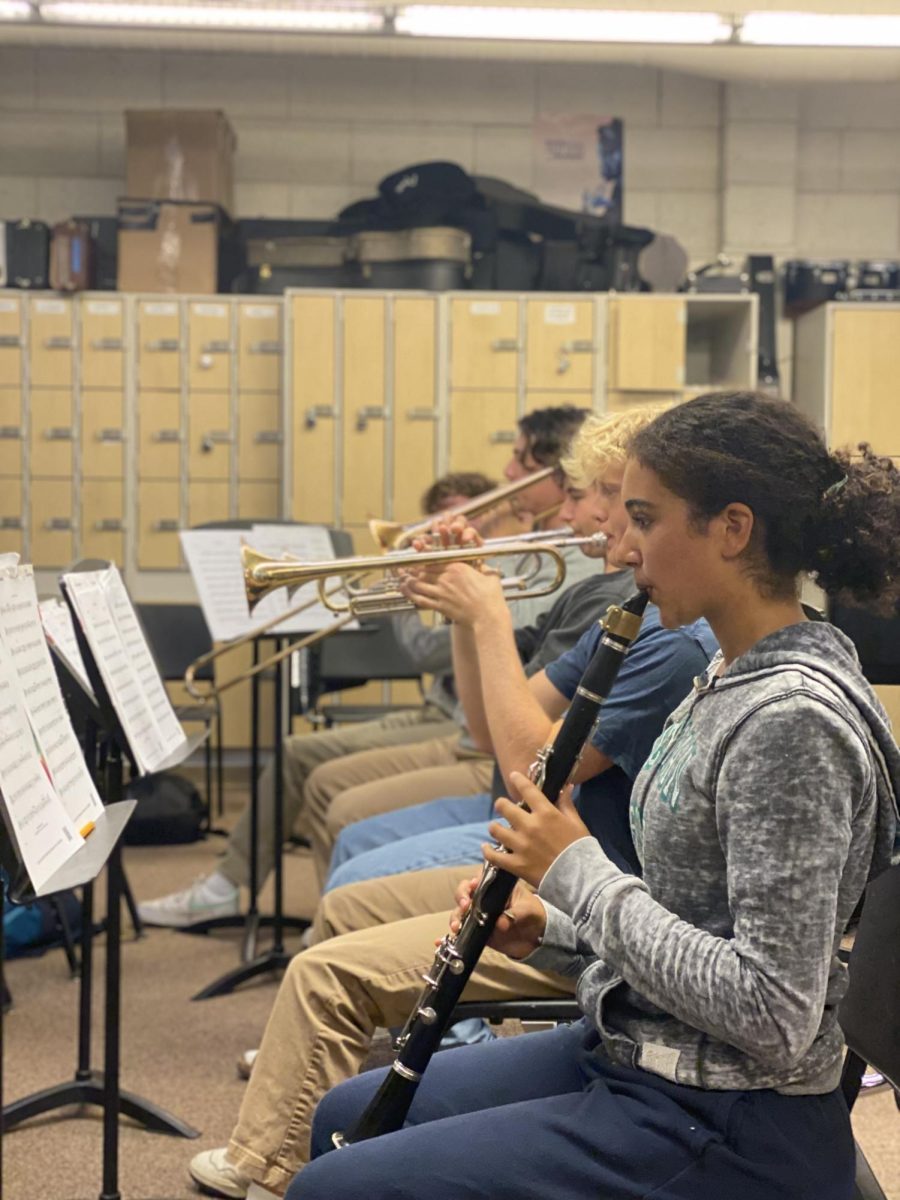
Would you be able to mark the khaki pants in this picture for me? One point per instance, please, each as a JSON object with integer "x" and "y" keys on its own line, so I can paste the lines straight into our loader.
{"x": 301, "y": 756}
{"x": 377, "y": 781}
{"x": 336, "y": 994}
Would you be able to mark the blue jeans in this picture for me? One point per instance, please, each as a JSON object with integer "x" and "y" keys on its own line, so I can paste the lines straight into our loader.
{"x": 441, "y": 833}
{"x": 545, "y": 1116}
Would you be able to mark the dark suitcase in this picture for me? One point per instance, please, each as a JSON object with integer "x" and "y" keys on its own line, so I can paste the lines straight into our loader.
{"x": 426, "y": 194}
{"x": 877, "y": 276}
{"x": 761, "y": 270}
{"x": 27, "y": 254}
{"x": 430, "y": 259}
{"x": 809, "y": 284}
{"x": 71, "y": 258}
{"x": 298, "y": 251}
{"x": 104, "y": 235}
{"x": 3, "y": 275}
{"x": 513, "y": 264}
{"x": 266, "y": 280}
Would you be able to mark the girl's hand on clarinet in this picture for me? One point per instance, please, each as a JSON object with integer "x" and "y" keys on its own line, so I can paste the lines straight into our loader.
{"x": 519, "y": 928}
{"x": 536, "y": 835}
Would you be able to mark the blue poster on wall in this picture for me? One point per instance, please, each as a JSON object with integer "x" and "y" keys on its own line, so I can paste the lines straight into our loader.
{"x": 578, "y": 162}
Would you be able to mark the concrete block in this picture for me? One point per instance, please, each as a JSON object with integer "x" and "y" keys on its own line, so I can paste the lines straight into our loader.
{"x": 870, "y": 161}
{"x": 600, "y": 89}
{"x": 321, "y": 202}
{"x": 253, "y": 199}
{"x": 505, "y": 151}
{"x": 253, "y": 85}
{"x": 58, "y": 199}
{"x": 688, "y": 100}
{"x": 88, "y": 80}
{"x": 18, "y": 77}
{"x": 850, "y": 106}
{"x": 848, "y": 226}
{"x": 763, "y": 101}
{"x": 642, "y": 208}
{"x": 474, "y": 91}
{"x": 758, "y": 219}
{"x": 661, "y": 159}
{"x": 18, "y": 197}
{"x": 50, "y": 144}
{"x": 693, "y": 218}
{"x": 378, "y": 150}
{"x": 818, "y": 160}
{"x": 292, "y": 152}
{"x": 760, "y": 152}
{"x": 337, "y": 88}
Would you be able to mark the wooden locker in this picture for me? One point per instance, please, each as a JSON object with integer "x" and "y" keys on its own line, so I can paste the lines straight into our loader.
{"x": 158, "y": 523}
{"x": 52, "y": 540}
{"x": 11, "y": 335}
{"x": 535, "y": 400}
{"x": 259, "y": 435}
{"x": 102, "y": 350}
{"x": 314, "y": 409}
{"x": 159, "y": 345}
{"x": 208, "y": 500}
{"x": 865, "y": 367}
{"x": 50, "y": 342}
{"x": 416, "y": 413}
{"x": 159, "y": 435}
{"x": 364, "y": 406}
{"x": 102, "y": 522}
{"x": 51, "y": 434}
{"x": 12, "y": 523}
{"x": 210, "y": 435}
{"x": 11, "y": 431}
{"x": 210, "y": 349}
{"x": 484, "y": 343}
{"x": 617, "y": 402}
{"x": 102, "y": 434}
{"x": 560, "y": 350}
{"x": 260, "y": 346}
{"x": 647, "y": 343}
{"x": 259, "y": 501}
{"x": 482, "y": 431}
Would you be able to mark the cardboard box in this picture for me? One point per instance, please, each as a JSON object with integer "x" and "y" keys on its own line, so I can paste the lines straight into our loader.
{"x": 180, "y": 154}
{"x": 175, "y": 246}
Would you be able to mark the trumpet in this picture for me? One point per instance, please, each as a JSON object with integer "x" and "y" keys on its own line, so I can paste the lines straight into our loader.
{"x": 391, "y": 535}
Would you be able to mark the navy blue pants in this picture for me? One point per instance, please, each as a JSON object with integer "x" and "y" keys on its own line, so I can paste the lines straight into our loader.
{"x": 545, "y": 1117}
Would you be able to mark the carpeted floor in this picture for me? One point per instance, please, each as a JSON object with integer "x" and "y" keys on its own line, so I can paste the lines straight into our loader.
{"x": 180, "y": 1054}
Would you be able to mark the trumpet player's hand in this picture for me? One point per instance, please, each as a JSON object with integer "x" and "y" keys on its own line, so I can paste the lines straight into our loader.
{"x": 519, "y": 929}
{"x": 535, "y": 835}
{"x": 460, "y": 592}
{"x": 448, "y": 534}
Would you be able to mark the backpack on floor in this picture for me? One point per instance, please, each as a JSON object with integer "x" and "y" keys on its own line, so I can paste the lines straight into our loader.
{"x": 169, "y": 811}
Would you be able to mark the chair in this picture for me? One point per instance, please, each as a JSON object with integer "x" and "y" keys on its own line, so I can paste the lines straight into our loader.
{"x": 355, "y": 658}
{"x": 178, "y": 634}
{"x": 876, "y": 638}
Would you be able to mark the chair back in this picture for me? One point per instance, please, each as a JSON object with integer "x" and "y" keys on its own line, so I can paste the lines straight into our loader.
{"x": 177, "y": 634}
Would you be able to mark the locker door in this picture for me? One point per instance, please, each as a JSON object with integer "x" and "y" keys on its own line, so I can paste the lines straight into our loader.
{"x": 259, "y": 501}
{"x": 51, "y": 524}
{"x": 314, "y": 412}
{"x": 259, "y": 435}
{"x": 52, "y": 433}
{"x": 415, "y": 404}
{"x": 159, "y": 345}
{"x": 159, "y": 435}
{"x": 209, "y": 435}
{"x": 647, "y": 344}
{"x": 102, "y": 435}
{"x": 10, "y": 341}
{"x": 208, "y": 501}
{"x": 482, "y": 431}
{"x": 103, "y": 520}
{"x": 102, "y": 343}
{"x": 535, "y": 400}
{"x": 12, "y": 524}
{"x": 10, "y": 431}
{"x": 50, "y": 343}
{"x": 260, "y": 349}
{"x": 484, "y": 343}
{"x": 209, "y": 346}
{"x": 560, "y": 351}
{"x": 365, "y": 414}
{"x": 865, "y": 355}
{"x": 617, "y": 402}
{"x": 158, "y": 520}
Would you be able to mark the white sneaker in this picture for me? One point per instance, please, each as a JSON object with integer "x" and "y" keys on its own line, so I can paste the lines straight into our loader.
{"x": 215, "y": 1175}
{"x": 258, "y": 1192}
{"x": 245, "y": 1063}
{"x": 196, "y": 903}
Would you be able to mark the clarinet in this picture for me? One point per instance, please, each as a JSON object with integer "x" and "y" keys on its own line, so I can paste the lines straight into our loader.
{"x": 458, "y": 954}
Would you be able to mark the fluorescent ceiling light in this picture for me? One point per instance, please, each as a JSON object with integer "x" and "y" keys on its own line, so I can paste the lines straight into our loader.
{"x": 561, "y": 24}
{"x": 340, "y": 18}
{"x": 818, "y": 29}
{"x": 15, "y": 10}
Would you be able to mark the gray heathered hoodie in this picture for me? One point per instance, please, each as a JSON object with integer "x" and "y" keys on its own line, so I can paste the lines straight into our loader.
{"x": 767, "y": 801}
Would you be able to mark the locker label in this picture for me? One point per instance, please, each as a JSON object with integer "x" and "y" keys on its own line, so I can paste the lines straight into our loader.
{"x": 54, "y": 307}
{"x": 104, "y": 308}
{"x": 484, "y": 308}
{"x": 209, "y": 310}
{"x": 559, "y": 314}
{"x": 156, "y": 308}
{"x": 9, "y": 305}
{"x": 260, "y": 311}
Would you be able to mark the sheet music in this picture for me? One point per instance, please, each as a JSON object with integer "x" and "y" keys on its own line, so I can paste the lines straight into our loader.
{"x": 60, "y": 632}
{"x": 116, "y": 668}
{"x": 44, "y": 833}
{"x": 308, "y": 543}
{"x": 168, "y": 726}
{"x": 24, "y": 640}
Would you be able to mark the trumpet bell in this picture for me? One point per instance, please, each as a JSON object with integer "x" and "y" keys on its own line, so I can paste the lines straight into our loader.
{"x": 387, "y": 534}
{"x": 256, "y": 589}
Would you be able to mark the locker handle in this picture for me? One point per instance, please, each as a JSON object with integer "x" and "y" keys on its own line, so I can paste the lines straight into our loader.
{"x": 108, "y": 343}
{"x": 166, "y": 525}
{"x": 264, "y": 348}
{"x": 371, "y": 412}
{"x": 164, "y": 345}
{"x": 110, "y": 525}
{"x": 268, "y": 437}
{"x": 58, "y": 434}
{"x": 10, "y": 341}
{"x": 215, "y": 437}
{"x": 502, "y": 437}
{"x": 312, "y": 415}
{"x": 578, "y": 346}
{"x": 217, "y": 347}
{"x": 166, "y": 435}
{"x": 110, "y": 435}
{"x": 58, "y": 524}
{"x": 10, "y": 433}
{"x": 422, "y": 414}
{"x": 11, "y": 523}
{"x": 506, "y": 345}
{"x": 58, "y": 343}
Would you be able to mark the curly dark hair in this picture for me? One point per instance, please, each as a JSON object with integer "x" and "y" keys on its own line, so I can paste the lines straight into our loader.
{"x": 548, "y": 431}
{"x": 457, "y": 483}
{"x": 834, "y": 515}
